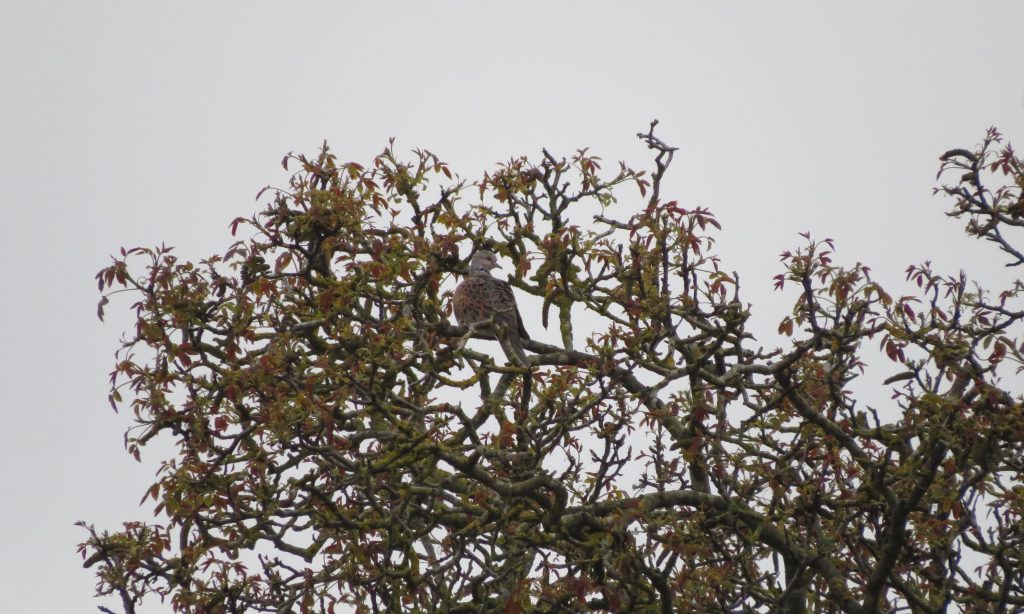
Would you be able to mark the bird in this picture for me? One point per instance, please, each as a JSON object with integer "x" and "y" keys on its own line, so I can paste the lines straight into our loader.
{"x": 482, "y": 299}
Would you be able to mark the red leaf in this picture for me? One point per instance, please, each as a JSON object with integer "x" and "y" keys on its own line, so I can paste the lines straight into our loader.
{"x": 282, "y": 262}
{"x": 892, "y": 351}
{"x": 998, "y": 352}
{"x": 153, "y": 492}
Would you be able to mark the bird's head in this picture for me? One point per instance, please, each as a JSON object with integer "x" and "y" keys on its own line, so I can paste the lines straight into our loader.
{"x": 483, "y": 261}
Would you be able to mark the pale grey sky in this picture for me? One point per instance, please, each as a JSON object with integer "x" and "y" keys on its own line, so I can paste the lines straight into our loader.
{"x": 131, "y": 123}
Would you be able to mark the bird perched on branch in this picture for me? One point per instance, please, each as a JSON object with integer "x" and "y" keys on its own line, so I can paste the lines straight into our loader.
{"x": 486, "y": 303}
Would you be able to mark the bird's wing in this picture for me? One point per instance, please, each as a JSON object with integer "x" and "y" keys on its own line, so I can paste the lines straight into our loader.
{"x": 504, "y": 299}
{"x": 481, "y": 297}
{"x": 522, "y": 329}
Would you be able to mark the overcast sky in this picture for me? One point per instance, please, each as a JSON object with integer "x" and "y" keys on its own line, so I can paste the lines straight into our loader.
{"x": 134, "y": 123}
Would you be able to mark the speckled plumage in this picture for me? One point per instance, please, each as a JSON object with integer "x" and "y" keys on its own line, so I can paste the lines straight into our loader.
{"x": 481, "y": 297}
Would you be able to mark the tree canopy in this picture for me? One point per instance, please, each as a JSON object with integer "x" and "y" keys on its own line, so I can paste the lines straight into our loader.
{"x": 340, "y": 444}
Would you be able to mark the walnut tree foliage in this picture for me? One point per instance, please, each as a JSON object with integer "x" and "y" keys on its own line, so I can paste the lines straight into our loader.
{"x": 340, "y": 445}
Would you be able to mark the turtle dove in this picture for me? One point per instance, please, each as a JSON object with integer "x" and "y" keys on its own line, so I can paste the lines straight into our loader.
{"x": 483, "y": 299}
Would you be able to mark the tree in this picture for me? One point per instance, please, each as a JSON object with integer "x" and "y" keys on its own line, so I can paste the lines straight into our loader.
{"x": 340, "y": 441}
